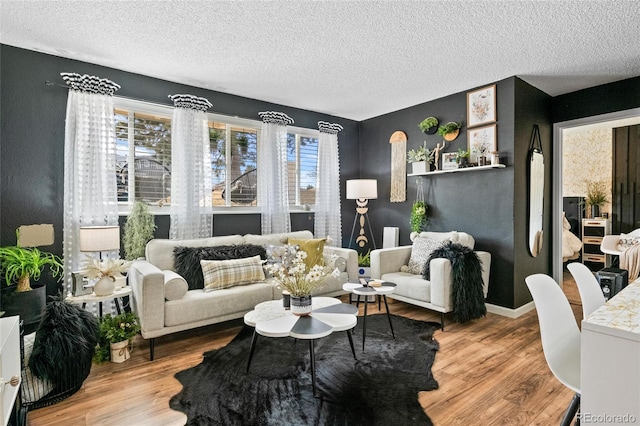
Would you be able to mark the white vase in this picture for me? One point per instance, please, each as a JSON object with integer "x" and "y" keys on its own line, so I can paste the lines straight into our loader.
{"x": 120, "y": 351}
{"x": 104, "y": 287}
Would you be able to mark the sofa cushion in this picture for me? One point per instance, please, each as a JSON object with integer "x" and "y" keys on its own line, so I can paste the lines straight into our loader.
{"x": 187, "y": 259}
{"x": 175, "y": 287}
{"x": 219, "y": 274}
{"x": 409, "y": 285}
{"x": 314, "y": 248}
{"x": 159, "y": 251}
{"x": 420, "y": 252}
{"x": 275, "y": 239}
{"x": 454, "y": 236}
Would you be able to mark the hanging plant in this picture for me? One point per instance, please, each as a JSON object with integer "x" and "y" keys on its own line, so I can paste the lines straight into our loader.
{"x": 429, "y": 125}
{"x": 418, "y": 218}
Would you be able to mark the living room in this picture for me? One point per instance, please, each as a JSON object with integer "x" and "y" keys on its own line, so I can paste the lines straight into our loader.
{"x": 493, "y": 202}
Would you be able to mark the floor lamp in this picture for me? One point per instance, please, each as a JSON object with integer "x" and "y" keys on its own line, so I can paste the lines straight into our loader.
{"x": 362, "y": 190}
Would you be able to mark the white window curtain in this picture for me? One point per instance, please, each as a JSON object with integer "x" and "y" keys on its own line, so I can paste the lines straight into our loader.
{"x": 90, "y": 193}
{"x": 328, "y": 220}
{"x": 273, "y": 189}
{"x": 190, "y": 169}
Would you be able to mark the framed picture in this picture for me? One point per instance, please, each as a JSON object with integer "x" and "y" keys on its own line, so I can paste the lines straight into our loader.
{"x": 449, "y": 161}
{"x": 481, "y": 106}
{"x": 482, "y": 141}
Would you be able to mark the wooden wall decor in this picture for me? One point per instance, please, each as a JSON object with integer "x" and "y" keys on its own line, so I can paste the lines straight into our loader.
{"x": 398, "y": 143}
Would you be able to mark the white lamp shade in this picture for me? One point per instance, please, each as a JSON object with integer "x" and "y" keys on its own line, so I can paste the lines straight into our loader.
{"x": 99, "y": 238}
{"x": 366, "y": 189}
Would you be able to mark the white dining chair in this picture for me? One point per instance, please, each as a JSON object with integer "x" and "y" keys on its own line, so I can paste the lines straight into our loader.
{"x": 588, "y": 287}
{"x": 560, "y": 336}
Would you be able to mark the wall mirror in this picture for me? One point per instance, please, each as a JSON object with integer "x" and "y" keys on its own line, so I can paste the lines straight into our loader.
{"x": 536, "y": 193}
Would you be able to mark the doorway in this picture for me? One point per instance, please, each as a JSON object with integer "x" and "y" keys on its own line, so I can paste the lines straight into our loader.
{"x": 561, "y": 131}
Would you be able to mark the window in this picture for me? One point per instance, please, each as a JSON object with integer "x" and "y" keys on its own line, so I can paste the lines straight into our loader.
{"x": 143, "y": 143}
{"x": 143, "y": 137}
{"x": 302, "y": 169}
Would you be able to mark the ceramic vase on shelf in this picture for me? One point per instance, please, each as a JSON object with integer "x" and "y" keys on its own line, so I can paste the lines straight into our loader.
{"x": 104, "y": 286}
{"x": 595, "y": 211}
{"x": 301, "y": 305}
{"x": 120, "y": 351}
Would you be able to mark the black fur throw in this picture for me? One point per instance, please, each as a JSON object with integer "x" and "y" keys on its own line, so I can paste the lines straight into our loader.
{"x": 187, "y": 259}
{"x": 468, "y": 297}
{"x": 65, "y": 342}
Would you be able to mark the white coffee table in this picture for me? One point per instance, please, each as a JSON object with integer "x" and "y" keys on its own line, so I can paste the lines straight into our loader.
{"x": 362, "y": 290}
{"x": 271, "y": 319}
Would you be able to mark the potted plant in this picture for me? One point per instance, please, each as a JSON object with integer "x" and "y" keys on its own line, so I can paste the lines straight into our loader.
{"x": 116, "y": 337}
{"x": 596, "y": 196}
{"x": 462, "y": 157}
{"x": 138, "y": 230}
{"x": 429, "y": 125}
{"x": 419, "y": 158}
{"x": 19, "y": 265}
{"x": 105, "y": 272}
{"x": 449, "y": 131}
{"x": 418, "y": 220}
{"x": 364, "y": 264}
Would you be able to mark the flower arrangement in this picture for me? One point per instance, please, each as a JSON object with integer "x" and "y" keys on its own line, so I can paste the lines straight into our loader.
{"x": 116, "y": 329}
{"x": 96, "y": 269}
{"x": 293, "y": 275}
{"x": 418, "y": 218}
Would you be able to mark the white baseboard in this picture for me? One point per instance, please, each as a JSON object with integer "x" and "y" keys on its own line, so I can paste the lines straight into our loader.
{"x": 511, "y": 313}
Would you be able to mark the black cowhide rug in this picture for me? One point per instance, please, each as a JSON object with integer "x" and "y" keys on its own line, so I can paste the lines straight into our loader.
{"x": 379, "y": 388}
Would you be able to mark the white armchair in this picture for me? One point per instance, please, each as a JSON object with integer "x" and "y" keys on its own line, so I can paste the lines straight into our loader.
{"x": 435, "y": 294}
{"x": 611, "y": 244}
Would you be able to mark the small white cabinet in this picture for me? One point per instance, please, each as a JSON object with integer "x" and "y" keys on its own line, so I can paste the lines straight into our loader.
{"x": 10, "y": 364}
{"x": 593, "y": 230}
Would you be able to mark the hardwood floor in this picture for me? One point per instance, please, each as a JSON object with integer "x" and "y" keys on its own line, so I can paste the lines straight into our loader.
{"x": 490, "y": 372}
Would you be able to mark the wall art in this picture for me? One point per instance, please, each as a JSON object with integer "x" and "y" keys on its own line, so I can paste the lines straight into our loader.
{"x": 481, "y": 106}
{"x": 482, "y": 142}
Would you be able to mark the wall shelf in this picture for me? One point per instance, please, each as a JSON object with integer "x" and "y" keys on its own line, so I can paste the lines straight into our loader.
{"x": 466, "y": 169}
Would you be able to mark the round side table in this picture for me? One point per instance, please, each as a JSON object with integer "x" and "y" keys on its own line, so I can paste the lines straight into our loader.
{"x": 362, "y": 290}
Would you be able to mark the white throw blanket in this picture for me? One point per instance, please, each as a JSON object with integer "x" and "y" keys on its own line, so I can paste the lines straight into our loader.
{"x": 630, "y": 260}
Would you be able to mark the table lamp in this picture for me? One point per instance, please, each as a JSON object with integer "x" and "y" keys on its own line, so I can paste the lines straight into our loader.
{"x": 362, "y": 190}
{"x": 99, "y": 238}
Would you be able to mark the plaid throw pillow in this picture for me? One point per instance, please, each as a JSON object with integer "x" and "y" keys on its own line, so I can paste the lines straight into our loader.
{"x": 219, "y": 274}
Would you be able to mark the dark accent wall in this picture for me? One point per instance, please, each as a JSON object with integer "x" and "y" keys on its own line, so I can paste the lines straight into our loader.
{"x": 490, "y": 205}
{"x": 617, "y": 96}
{"x": 32, "y": 139}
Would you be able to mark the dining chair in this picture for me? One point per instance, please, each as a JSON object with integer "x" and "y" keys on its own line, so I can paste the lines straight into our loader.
{"x": 560, "y": 336}
{"x": 588, "y": 287}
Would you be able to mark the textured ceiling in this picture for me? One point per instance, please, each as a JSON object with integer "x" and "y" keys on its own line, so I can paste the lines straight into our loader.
{"x": 353, "y": 59}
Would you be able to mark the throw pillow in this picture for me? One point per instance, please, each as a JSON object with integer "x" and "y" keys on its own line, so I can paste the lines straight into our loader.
{"x": 314, "y": 248}
{"x": 626, "y": 241}
{"x": 219, "y": 274}
{"x": 175, "y": 287}
{"x": 187, "y": 259}
{"x": 420, "y": 252}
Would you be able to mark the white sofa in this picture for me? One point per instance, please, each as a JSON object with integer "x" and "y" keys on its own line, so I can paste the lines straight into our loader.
{"x": 436, "y": 294}
{"x": 159, "y": 316}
